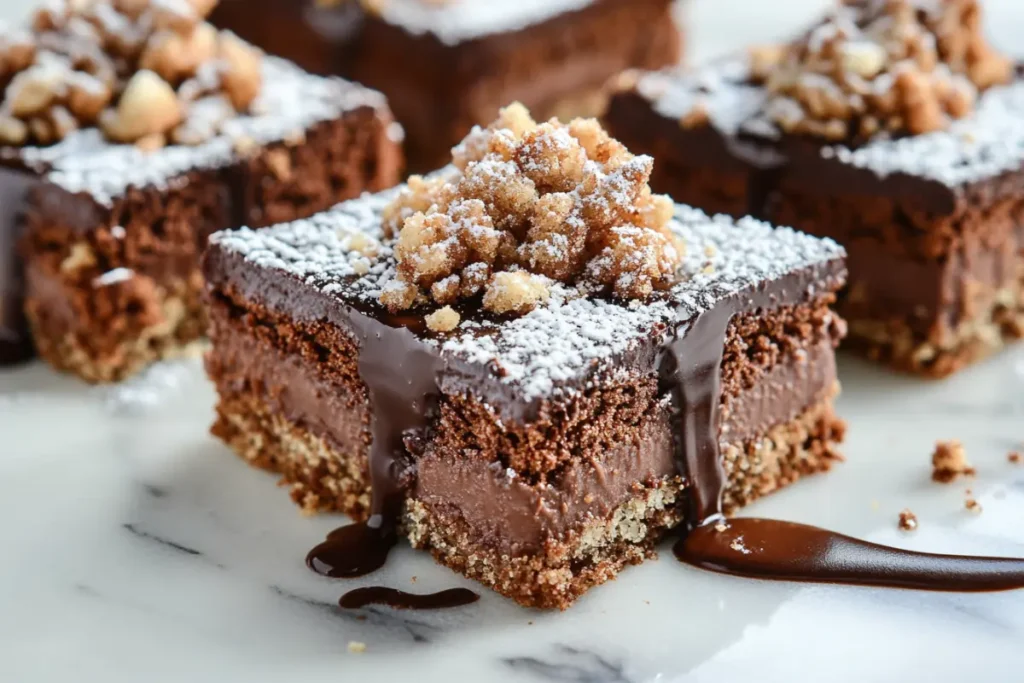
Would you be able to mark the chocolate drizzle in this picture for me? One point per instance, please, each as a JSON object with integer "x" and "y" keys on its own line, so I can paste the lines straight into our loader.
{"x": 392, "y": 597}
{"x": 691, "y": 373}
{"x": 772, "y": 549}
{"x": 400, "y": 374}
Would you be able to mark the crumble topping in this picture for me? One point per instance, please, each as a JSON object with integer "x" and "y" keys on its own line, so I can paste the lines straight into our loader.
{"x": 528, "y": 205}
{"x": 893, "y": 66}
{"x": 949, "y": 462}
{"x": 142, "y": 71}
{"x": 908, "y": 520}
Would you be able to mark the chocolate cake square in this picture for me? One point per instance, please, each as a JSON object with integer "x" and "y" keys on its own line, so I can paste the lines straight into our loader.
{"x": 536, "y": 426}
{"x": 447, "y": 66}
{"x": 112, "y": 212}
{"x": 926, "y": 198}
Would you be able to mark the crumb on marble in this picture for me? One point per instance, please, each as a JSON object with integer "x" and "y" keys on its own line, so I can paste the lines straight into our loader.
{"x": 949, "y": 462}
{"x": 1015, "y": 457}
{"x": 356, "y": 647}
{"x": 972, "y": 505}
{"x": 908, "y": 520}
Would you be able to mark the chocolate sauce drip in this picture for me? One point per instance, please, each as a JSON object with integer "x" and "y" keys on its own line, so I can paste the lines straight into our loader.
{"x": 351, "y": 551}
{"x": 15, "y": 341}
{"x": 772, "y": 549}
{"x": 691, "y": 373}
{"x": 392, "y": 597}
{"x": 400, "y": 374}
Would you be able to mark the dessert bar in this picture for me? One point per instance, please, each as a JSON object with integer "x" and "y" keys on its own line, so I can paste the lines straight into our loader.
{"x": 129, "y": 136}
{"x": 526, "y": 363}
{"x": 891, "y": 127}
{"x": 446, "y": 66}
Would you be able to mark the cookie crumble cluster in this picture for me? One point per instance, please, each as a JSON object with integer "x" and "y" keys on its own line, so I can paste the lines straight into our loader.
{"x": 524, "y": 207}
{"x": 881, "y": 66}
{"x": 949, "y": 462}
{"x": 143, "y": 71}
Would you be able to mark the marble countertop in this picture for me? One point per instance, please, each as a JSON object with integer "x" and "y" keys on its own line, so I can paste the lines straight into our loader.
{"x": 135, "y": 547}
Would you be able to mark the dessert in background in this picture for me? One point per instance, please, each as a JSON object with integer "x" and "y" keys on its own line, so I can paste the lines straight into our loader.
{"x": 129, "y": 132}
{"x": 891, "y": 126}
{"x": 526, "y": 363}
{"x": 450, "y": 64}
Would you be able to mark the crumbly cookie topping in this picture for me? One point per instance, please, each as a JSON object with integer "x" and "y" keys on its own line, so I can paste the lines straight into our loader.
{"x": 527, "y": 205}
{"x": 894, "y": 66}
{"x": 949, "y": 462}
{"x": 143, "y": 71}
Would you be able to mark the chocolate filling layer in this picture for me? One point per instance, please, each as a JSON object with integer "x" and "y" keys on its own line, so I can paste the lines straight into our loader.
{"x": 504, "y": 507}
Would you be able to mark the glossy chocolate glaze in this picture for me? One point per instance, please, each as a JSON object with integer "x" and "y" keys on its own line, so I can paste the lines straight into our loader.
{"x": 771, "y": 549}
{"x": 392, "y": 597}
{"x": 401, "y": 378}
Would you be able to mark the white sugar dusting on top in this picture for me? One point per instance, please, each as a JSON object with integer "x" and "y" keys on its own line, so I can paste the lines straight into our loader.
{"x": 456, "y": 21}
{"x": 719, "y": 89}
{"x": 987, "y": 143}
{"x": 290, "y": 102}
{"x": 569, "y": 336}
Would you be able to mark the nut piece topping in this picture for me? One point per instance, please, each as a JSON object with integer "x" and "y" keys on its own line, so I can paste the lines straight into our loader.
{"x": 949, "y": 462}
{"x": 135, "y": 68}
{"x": 893, "y": 66}
{"x": 526, "y": 206}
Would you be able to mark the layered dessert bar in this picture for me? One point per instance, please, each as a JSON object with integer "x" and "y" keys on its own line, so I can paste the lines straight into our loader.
{"x": 891, "y": 127}
{"x": 130, "y": 132}
{"x": 527, "y": 363}
{"x": 447, "y": 66}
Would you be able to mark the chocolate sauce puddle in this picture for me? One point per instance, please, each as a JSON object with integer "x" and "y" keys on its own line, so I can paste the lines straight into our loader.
{"x": 352, "y": 550}
{"x": 392, "y": 597}
{"x": 773, "y": 549}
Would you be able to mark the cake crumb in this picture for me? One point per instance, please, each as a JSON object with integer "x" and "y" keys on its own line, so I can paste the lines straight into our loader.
{"x": 412, "y": 580}
{"x": 443, "y": 320}
{"x": 1015, "y": 457}
{"x": 949, "y": 462}
{"x": 972, "y": 505}
{"x": 908, "y": 520}
{"x": 356, "y": 647}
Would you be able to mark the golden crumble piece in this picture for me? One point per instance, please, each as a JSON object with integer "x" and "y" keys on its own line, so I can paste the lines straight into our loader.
{"x": 516, "y": 292}
{"x": 508, "y": 194}
{"x": 972, "y": 505}
{"x": 418, "y": 195}
{"x": 556, "y": 242}
{"x": 551, "y": 158}
{"x": 635, "y": 262}
{"x": 1015, "y": 457}
{"x": 443, "y": 320}
{"x": 908, "y": 520}
{"x": 949, "y": 462}
{"x": 600, "y": 146}
{"x": 513, "y": 122}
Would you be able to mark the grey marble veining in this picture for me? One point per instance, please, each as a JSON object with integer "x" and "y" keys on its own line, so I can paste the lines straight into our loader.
{"x": 135, "y": 547}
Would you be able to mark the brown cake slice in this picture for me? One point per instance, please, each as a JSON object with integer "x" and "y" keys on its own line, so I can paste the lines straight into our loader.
{"x": 447, "y": 66}
{"x": 112, "y": 211}
{"x": 536, "y": 433}
{"x": 913, "y": 163}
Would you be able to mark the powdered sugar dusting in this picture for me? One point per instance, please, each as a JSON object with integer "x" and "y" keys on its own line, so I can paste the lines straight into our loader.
{"x": 456, "y": 21}
{"x": 985, "y": 144}
{"x": 291, "y": 101}
{"x": 720, "y": 89}
{"x": 988, "y": 143}
{"x": 571, "y": 335}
